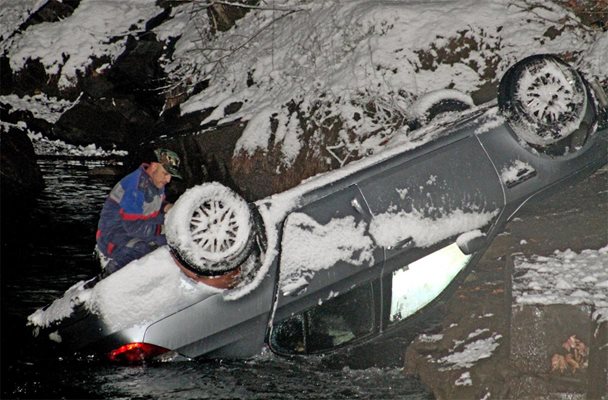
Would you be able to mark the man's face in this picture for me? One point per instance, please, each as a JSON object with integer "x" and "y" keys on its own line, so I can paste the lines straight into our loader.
{"x": 159, "y": 175}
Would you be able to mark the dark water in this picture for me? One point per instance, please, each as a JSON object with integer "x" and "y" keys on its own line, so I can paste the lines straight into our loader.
{"x": 50, "y": 249}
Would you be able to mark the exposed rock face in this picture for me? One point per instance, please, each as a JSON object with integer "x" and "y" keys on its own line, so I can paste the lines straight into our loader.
{"x": 21, "y": 178}
{"x": 105, "y": 121}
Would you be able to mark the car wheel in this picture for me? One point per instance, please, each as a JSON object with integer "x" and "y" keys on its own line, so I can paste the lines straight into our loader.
{"x": 546, "y": 103}
{"x": 210, "y": 229}
{"x": 433, "y": 104}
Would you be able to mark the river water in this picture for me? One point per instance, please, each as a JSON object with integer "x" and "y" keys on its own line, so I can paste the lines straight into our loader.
{"x": 50, "y": 249}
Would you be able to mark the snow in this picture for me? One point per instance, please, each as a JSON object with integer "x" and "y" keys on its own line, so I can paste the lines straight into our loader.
{"x": 40, "y": 105}
{"x": 69, "y": 46}
{"x": 390, "y": 228}
{"x": 143, "y": 291}
{"x": 304, "y": 240}
{"x": 50, "y": 109}
{"x": 464, "y": 379}
{"x": 14, "y": 13}
{"x": 44, "y": 146}
{"x": 471, "y": 353}
{"x": 513, "y": 172}
{"x": 490, "y": 120}
{"x": 60, "y": 308}
{"x": 565, "y": 277}
{"x": 466, "y": 237}
{"x": 427, "y": 338}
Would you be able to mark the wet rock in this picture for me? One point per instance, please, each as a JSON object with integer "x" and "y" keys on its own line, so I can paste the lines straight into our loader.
{"x": 137, "y": 72}
{"x": 551, "y": 348}
{"x": 205, "y": 156}
{"x": 21, "y": 177}
{"x": 104, "y": 121}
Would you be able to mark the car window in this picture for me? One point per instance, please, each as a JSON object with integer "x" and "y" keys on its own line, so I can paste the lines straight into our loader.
{"x": 418, "y": 283}
{"x": 330, "y": 325}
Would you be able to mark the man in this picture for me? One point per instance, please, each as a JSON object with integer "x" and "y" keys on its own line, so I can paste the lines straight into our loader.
{"x": 132, "y": 218}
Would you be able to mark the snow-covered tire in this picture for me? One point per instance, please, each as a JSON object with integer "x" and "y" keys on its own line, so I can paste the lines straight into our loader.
{"x": 210, "y": 229}
{"x": 432, "y": 104}
{"x": 545, "y": 101}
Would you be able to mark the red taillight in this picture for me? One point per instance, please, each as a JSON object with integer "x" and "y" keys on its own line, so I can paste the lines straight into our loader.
{"x": 135, "y": 352}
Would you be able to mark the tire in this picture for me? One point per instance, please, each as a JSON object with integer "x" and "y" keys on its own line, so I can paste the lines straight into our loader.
{"x": 546, "y": 104}
{"x": 433, "y": 104}
{"x": 210, "y": 229}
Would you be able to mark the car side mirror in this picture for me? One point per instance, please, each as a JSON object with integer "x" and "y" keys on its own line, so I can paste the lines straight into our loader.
{"x": 470, "y": 242}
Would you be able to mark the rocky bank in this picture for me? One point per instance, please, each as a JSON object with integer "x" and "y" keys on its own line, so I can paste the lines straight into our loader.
{"x": 524, "y": 338}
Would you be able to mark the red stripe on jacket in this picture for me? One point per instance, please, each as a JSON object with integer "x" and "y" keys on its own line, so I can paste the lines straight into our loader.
{"x": 135, "y": 217}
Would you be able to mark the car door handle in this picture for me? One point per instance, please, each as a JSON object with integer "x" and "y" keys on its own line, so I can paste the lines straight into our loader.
{"x": 402, "y": 243}
{"x": 357, "y": 206}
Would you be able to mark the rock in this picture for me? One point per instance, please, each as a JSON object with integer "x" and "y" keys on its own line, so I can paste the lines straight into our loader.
{"x": 205, "y": 156}
{"x": 556, "y": 349}
{"x": 21, "y": 178}
{"x": 104, "y": 121}
{"x": 137, "y": 73}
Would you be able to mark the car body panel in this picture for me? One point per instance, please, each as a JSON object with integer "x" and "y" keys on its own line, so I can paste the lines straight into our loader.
{"x": 200, "y": 329}
{"x": 504, "y": 150}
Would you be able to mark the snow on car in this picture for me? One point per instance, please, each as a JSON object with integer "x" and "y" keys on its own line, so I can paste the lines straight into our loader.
{"x": 351, "y": 255}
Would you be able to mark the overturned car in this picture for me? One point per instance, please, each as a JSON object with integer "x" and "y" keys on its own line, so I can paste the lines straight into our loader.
{"x": 350, "y": 255}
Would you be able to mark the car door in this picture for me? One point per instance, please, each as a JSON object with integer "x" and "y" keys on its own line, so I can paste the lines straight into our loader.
{"x": 325, "y": 249}
{"x": 326, "y": 297}
{"x": 420, "y": 200}
{"x": 421, "y": 206}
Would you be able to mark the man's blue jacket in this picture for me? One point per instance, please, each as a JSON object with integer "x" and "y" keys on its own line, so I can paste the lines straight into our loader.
{"x": 132, "y": 212}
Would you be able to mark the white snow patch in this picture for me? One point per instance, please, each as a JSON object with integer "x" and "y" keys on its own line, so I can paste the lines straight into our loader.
{"x": 55, "y": 337}
{"x": 68, "y": 47}
{"x": 463, "y": 239}
{"x": 471, "y": 354}
{"x": 309, "y": 247}
{"x": 13, "y": 13}
{"x": 46, "y": 147}
{"x": 60, "y": 308}
{"x": 143, "y": 291}
{"x": 490, "y": 120}
{"x": 564, "y": 278}
{"x": 41, "y": 106}
{"x": 464, "y": 379}
{"x": 426, "y": 338}
{"x": 514, "y": 171}
{"x": 390, "y": 228}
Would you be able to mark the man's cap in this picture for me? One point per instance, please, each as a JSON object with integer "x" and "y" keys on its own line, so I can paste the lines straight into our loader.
{"x": 169, "y": 160}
